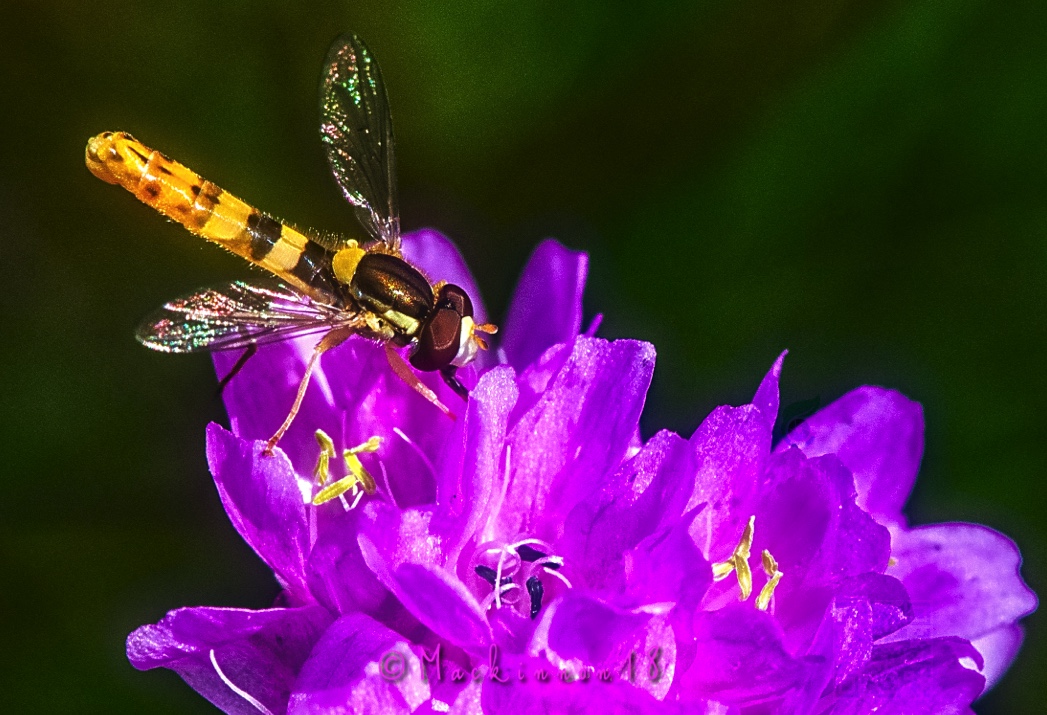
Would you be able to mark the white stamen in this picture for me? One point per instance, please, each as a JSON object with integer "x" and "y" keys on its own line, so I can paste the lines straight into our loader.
{"x": 528, "y": 542}
{"x": 498, "y": 580}
{"x": 496, "y": 507}
{"x": 507, "y": 588}
{"x": 560, "y": 576}
{"x": 356, "y": 501}
{"x": 555, "y": 560}
{"x": 440, "y": 706}
{"x": 385, "y": 481}
{"x": 418, "y": 450}
{"x": 246, "y": 696}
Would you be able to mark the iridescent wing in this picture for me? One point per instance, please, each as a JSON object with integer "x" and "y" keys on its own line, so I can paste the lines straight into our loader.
{"x": 238, "y": 315}
{"x": 357, "y": 132}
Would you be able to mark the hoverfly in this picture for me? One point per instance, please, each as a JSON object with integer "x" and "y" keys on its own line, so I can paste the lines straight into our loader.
{"x": 333, "y": 287}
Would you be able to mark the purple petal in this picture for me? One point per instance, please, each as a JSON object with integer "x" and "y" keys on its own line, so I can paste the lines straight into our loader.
{"x": 404, "y": 556}
{"x": 546, "y": 308}
{"x": 356, "y": 667}
{"x": 766, "y": 397}
{"x": 439, "y": 260}
{"x": 741, "y": 658}
{"x": 964, "y": 580}
{"x": 865, "y": 609}
{"x": 667, "y": 566}
{"x": 647, "y": 493}
{"x": 578, "y": 431}
{"x": 732, "y": 446}
{"x": 258, "y": 652}
{"x": 878, "y": 435}
{"x": 999, "y": 649}
{"x": 262, "y": 497}
{"x": 472, "y": 465}
{"x": 579, "y": 630}
{"x": 807, "y": 519}
{"x": 577, "y": 626}
{"x": 530, "y": 695}
{"x": 891, "y": 606}
{"x": 338, "y": 577}
{"x": 923, "y": 677}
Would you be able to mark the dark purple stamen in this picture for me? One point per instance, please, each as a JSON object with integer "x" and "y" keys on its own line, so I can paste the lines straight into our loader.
{"x": 528, "y": 553}
{"x": 536, "y": 591}
{"x": 488, "y": 574}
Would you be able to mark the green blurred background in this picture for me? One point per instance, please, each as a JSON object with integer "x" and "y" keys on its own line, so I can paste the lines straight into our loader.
{"x": 864, "y": 183}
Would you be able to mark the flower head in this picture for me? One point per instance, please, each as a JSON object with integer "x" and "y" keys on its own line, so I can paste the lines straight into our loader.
{"x": 536, "y": 556}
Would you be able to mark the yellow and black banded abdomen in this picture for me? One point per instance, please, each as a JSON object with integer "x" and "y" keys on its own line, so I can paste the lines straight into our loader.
{"x": 205, "y": 209}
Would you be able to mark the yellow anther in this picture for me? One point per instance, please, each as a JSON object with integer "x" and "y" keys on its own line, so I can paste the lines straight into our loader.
{"x": 358, "y": 475}
{"x": 336, "y": 489}
{"x": 359, "y": 472}
{"x": 891, "y": 561}
{"x": 323, "y": 465}
{"x": 739, "y": 562}
{"x": 770, "y": 567}
{"x": 370, "y": 445}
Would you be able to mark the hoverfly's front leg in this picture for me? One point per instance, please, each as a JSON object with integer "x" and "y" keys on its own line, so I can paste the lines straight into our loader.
{"x": 332, "y": 339}
{"x": 449, "y": 375}
{"x": 405, "y": 373}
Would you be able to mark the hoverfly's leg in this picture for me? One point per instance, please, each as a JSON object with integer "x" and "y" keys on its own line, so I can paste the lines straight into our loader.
{"x": 448, "y": 374}
{"x": 405, "y": 373}
{"x": 240, "y": 362}
{"x": 333, "y": 339}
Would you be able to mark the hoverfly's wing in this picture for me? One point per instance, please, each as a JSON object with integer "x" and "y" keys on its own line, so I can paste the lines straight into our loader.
{"x": 357, "y": 132}
{"x": 238, "y": 315}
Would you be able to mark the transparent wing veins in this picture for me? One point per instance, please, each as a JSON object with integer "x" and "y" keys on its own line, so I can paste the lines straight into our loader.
{"x": 357, "y": 132}
{"x": 238, "y": 315}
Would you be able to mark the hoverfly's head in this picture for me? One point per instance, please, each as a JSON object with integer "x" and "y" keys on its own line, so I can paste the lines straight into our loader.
{"x": 448, "y": 335}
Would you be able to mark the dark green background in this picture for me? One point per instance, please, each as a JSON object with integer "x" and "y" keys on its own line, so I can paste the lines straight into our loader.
{"x": 864, "y": 183}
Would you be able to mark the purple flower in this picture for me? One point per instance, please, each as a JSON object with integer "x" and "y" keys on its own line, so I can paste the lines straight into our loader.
{"x": 536, "y": 556}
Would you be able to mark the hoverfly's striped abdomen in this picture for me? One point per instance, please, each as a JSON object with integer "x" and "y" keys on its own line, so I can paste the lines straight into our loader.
{"x": 205, "y": 209}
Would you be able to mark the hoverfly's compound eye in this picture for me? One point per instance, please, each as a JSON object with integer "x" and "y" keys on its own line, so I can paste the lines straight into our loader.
{"x": 439, "y": 339}
{"x": 457, "y": 298}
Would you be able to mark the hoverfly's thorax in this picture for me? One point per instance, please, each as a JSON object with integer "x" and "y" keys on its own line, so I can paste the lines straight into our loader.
{"x": 391, "y": 288}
